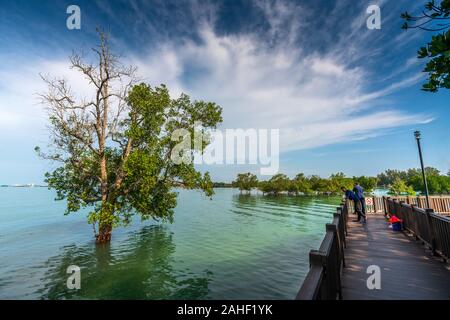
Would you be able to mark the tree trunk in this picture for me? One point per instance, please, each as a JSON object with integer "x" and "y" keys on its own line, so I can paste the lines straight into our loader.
{"x": 104, "y": 234}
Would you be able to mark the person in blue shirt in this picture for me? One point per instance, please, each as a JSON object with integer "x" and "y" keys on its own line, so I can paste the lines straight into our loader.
{"x": 350, "y": 195}
{"x": 359, "y": 192}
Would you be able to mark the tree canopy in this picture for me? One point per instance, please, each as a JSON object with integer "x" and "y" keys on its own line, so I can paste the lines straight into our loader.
{"x": 115, "y": 148}
{"x": 436, "y": 19}
{"x": 437, "y": 183}
{"x": 400, "y": 187}
{"x": 397, "y": 181}
{"x": 301, "y": 184}
{"x": 245, "y": 181}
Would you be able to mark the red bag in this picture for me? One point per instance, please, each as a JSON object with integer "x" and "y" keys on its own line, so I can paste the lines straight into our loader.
{"x": 394, "y": 219}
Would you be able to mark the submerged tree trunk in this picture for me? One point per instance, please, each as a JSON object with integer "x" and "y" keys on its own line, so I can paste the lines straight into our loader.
{"x": 104, "y": 234}
{"x": 104, "y": 225}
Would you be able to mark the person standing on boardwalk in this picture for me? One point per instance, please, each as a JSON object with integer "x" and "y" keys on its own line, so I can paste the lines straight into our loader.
{"x": 350, "y": 195}
{"x": 359, "y": 193}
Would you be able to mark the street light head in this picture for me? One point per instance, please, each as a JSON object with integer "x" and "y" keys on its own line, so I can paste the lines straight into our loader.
{"x": 417, "y": 134}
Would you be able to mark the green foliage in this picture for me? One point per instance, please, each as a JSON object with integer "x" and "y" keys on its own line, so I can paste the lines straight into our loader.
{"x": 265, "y": 187}
{"x": 302, "y": 184}
{"x": 399, "y": 187}
{"x": 148, "y": 175}
{"x": 119, "y": 150}
{"x": 319, "y": 184}
{"x": 246, "y": 181}
{"x": 280, "y": 183}
{"x": 292, "y": 187}
{"x": 438, "y": 67}
{"x": 276, "y": 185}
{"x": 389, "y": 176}
{"x": 339, "y": 180}
{"x": 435, "y": 18}
{"x": 399, "y": 182}
{"x": 368, "y": 183}
{"x": 437, "y": 183}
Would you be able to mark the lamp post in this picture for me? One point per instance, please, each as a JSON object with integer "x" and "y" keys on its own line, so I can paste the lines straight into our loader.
{"x": 424, "y": 177}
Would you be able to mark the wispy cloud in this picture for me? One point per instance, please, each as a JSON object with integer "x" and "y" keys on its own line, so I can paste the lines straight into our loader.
{"x": 314, "y": 98}
{"x": 270, "y": 80}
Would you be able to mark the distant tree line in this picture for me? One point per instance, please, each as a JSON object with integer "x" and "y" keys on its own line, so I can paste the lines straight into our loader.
{"x": 302, "y": 184}
{"x": 410, "y": 181}
{"x": 398, "y": 182}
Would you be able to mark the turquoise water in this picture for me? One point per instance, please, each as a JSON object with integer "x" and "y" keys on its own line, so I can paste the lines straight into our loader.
{"x": 231, "y": 247}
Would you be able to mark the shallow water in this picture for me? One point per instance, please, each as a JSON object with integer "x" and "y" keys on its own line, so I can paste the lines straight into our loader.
{"x": 231, "y": 247}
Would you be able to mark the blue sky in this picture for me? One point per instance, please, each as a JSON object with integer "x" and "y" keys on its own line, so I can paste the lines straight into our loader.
{"x": 345, "y": 98}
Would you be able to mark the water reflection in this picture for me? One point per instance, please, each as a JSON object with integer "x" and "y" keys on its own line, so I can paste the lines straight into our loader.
{"x": 245, "y": 199}
{"x": 283, "y": 208}
{"x": 282, "y": 200}
{"x": 140, "y": 267}
{"x": 257, "y": 247}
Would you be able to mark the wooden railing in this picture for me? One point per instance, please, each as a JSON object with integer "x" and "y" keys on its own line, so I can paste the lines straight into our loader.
{"x": 439, "y": 204}
{"x": 373, "y": 205}
{"x": 431, "y": 228}
{"x": 323, "y": 281}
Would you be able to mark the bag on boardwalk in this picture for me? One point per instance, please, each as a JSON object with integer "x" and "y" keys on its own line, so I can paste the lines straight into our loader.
{"x": 397, "y": 226}
{"x": 396, "y": 223}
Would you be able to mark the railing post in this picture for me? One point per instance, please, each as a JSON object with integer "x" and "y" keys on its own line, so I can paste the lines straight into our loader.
{"x": 413, "y": 215}
{"x": 345, "y": 213}
{"x": 334, "y": 271}
{"x": 431, "y": 232}
{"x": 342, "y": 220}
{"x": 384, "y": 205}
{"x": 341, "y": 234}
{"x": 400, "y": 213}
{"x": 408, "y": 200}
{"x": 315, "y": 258}
{"x": 312, "y": 285}
{"x": 411, "y": 222}
{"x": 374, "y": 199}
{"x": 395, "y": 207}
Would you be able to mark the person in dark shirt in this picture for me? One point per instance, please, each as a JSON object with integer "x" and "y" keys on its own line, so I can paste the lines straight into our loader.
{"x": 359, "y": 192}
{"x": 350, "y": 195}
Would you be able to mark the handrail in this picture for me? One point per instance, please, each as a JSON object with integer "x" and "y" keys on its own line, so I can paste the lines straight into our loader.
{"x": 376, "y": 204}
{"x": 323, "y": 281}
{"x": 311, "y": 285}
{"x": 439, "y": 204}
{"x": 425, "y": 225}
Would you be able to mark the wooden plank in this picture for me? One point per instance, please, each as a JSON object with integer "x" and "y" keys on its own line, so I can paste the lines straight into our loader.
{"x": 408, "y": 270}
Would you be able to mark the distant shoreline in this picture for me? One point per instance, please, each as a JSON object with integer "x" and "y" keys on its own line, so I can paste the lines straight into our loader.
{"x": 23, "y": 186}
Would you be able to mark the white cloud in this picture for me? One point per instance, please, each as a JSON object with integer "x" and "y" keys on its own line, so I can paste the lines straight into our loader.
{"x": 348, "y": 129}
{"x": 20, "y": 108}
{"x": 314, "y": 99}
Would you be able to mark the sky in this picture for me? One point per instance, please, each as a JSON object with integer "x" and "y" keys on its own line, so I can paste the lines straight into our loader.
{"x": 345, "y": 98}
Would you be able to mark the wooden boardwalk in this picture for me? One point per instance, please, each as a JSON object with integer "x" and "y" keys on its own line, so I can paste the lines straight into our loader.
{"x": 408, "y": 269}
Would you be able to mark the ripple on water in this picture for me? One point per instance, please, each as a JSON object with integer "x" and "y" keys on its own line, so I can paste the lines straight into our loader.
{"x": 231, "y": 247}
